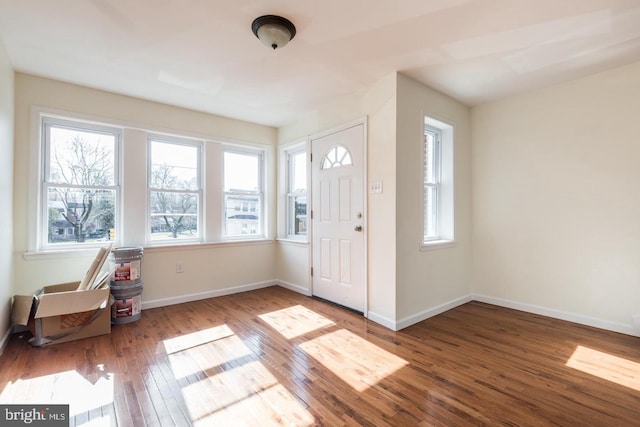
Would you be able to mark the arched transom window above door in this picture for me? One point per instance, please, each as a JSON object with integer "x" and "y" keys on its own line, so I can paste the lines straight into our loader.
{"x": 337, "y": 156}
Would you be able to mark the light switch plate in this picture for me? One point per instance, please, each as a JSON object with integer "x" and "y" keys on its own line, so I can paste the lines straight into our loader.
{"x": 375, "y": 187}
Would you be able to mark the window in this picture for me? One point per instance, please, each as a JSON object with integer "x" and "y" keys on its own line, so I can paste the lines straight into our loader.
{"x": 99, "y": 182}
{"x": 336, "y": 157}
{"x": 437, "y": 200}
{"x": 296, "y": 193}
{"x": 243, "y": 193}
{"x": 80, "y": 190}
{"x": 175, "y": 193}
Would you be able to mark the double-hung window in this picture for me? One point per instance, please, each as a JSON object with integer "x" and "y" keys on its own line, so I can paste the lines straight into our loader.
{"x": 175, "y": 189}
{"x": 94, "y": 187}
{"x": 80, "y": 189}
{"x": 243, "y": 193}
{"x": 437, "y": 180}
{"x": 296, "y": 194}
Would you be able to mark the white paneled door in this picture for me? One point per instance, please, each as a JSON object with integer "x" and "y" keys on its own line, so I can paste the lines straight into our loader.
{"x": 337, "y": 177}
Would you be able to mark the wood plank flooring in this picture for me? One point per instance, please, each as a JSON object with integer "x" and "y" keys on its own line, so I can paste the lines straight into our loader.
{"x": 273, "y": 357}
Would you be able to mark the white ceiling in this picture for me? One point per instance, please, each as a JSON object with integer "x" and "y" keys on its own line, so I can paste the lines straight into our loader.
{"x": 201, "y": 54}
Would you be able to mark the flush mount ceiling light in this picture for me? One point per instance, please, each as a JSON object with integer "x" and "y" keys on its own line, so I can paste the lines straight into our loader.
{"x": 273, "y": 31}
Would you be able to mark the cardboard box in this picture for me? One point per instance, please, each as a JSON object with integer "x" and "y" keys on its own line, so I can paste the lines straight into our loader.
{"x": 61, "y": 313}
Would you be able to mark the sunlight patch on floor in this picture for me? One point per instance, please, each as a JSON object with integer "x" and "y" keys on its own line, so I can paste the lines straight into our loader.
{"x": 291, "y": 322}
{"x": 194, "y": 339}
{"x": 606, "y": 366}
{"x": 354, "y": 360}
{"x": 206, "y": 356}
{"x": 245, "y": 395}
{"x": 224, "y": 382}
{"x": 68, "y": 387}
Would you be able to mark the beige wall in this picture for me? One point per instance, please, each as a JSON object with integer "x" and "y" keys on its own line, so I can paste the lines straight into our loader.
{"x": 405, "y": 284}
{"x": 553, "y": 227}
{"x": 429, "y": 279}
{"x": 6, "y": 191}
{"x": 209, "y": 269}
{"x": 556, "y": 201}
{"x": 378, "y": 105}
{"x": 381, "y": 231}
{"x": 293, "y": 269}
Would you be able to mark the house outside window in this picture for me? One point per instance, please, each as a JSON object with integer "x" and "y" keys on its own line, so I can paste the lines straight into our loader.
{"x": 243, "y": 193}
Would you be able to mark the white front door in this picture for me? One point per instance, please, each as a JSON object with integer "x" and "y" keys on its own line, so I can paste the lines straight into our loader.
{"x": 337, "y": 178}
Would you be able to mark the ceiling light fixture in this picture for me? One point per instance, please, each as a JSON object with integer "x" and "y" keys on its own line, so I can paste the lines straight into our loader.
{"x": 273, "y": 31}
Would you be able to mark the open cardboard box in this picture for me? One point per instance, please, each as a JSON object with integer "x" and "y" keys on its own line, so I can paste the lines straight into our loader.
{"x": 61, "y": 313}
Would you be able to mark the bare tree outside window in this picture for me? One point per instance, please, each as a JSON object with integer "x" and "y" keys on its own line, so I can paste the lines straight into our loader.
{"x": 175, "y": 190}
{"x": 81, "y": 192}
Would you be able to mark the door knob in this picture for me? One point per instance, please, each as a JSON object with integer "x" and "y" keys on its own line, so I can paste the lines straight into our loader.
{"x": 358, "y": 228}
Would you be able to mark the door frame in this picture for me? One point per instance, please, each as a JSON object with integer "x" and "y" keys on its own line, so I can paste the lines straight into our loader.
{"x": 365, "y": 187}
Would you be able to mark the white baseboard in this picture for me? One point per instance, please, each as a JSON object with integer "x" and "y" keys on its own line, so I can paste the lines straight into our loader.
{"x": 204, "y": 295}
{"x": 396, "y": 325}
{"x": 423, "y": 315}
{"x": 382, "y": 320}
{"x": 418, "y": 317}
{"x": 559, "y": 314}
{"x": 295, "y": 288}
{"x": 5, "y": 339}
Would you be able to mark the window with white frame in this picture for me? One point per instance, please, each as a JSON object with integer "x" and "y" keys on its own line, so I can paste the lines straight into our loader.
{"x": 175, "y": 190}
{"x": 243, "y": 193}
{"x": 100, "y": 181}
{"x": 297, "y": 193}
{"x": 437, "y": 195}
{"x": 80, "y": 189}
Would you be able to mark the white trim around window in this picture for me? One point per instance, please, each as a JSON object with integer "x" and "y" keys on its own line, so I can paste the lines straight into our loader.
{"x": 175, "y": 193}
{"x": 79, "y": 190}
{"x": 291, "y": 225}
{"x": 437, "y": 193}
{"x": 131, "y": 184}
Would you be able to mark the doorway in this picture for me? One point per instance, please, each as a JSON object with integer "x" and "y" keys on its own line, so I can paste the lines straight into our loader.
{"x": 338, "y": 216}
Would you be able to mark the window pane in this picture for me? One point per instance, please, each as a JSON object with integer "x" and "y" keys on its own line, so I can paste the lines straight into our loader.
{"x": 174, "y": 215}
{"x": 242, "y": 215}
{"x": 174, "y": 166}
{"x": 298, "y": 172}
{"x": 81, "y": 157}
{"x": 298, "y": 214}
{"x": 430, "y": 213}
{"x": 336, "y": 157}
{"x": 80, "y": 215}
{"x": 241, "y": 172}
{"x": 429, "y": 158}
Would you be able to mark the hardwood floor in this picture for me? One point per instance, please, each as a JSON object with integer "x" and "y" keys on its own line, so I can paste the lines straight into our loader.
{"x": 273, "y": 357}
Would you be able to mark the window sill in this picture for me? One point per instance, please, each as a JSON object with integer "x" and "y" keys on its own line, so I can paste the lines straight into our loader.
{"x": 206, "y": 245}
{"x": 60, "y": 253}
{"x": 91, "y": 252}
{"x": 293, "y": 242}
{"x": 437, "y": 244}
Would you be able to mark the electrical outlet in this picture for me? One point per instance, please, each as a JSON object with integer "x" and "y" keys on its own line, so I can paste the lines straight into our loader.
{"x": 179, "y": 267}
